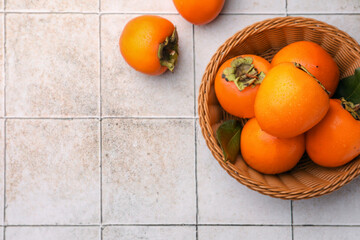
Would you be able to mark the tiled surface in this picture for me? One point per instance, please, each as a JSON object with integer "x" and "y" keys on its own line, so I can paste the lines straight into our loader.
{"x": 244, "y": 233}
{"x": 323, "y": 6}
{"x": 235, "y": 204}
{"x": 153, "y": 232}
{"x": 338, "y": 208}
{"x": 52, "y": 172}
{"x": 328, "y": 233}
{"x": 148, "y": 6}
{"x": 53, "y": 5}
{"x": 126, "y": 92}
{"x": 1, "y": 170}
{"x": 92, "y": 146}
{"x": 53, "y": 233}
{"x": 1, "y": 66}
{"x": 148, "y": 171}
{"x": 254, "y": 6}
{"x": 49, "y": 72}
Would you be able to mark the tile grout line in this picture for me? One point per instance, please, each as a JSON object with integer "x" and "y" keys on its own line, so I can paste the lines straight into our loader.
{"x": 172, "y": 13}
{"x": 101, "y": 118}
{"x": 163, "y": 225}
{"x": 4, "y": 60}
{"x": 195, "y": 138}
{"x": 179, "y": 225}
{"x": 5, "y": 121}
{"x": 100, "y": 128}
{"x": 4, "y": 179}
{"x": 286, "y": 8}
{"x": 292, "y": 219}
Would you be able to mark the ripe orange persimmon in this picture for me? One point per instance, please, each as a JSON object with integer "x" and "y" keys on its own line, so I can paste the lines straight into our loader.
{"x": 289, "y": 101}
{"x": 268, "y": 154}
{"x": 236, "y": 86}
{"x": 335, "y": 141}
{"x": 315, "y": 59}
{"x": 199, "y": 11}
{"x": 149, "y": 44}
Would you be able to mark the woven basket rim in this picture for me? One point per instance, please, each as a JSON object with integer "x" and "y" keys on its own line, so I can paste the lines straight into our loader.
{"x": 203, "y": 110}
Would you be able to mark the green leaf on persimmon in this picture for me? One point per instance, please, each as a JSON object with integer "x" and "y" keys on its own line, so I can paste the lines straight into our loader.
{"x": 349, "y": 88}
{"x": 228, "y": 136}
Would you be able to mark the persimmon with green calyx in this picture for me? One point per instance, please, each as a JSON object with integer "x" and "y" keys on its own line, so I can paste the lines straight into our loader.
{"x": 149, "y": 44}
{"x": 237, "y": 82}
{"x": 268, "y": 154}
{"x": 335, "y": 141}
{"x": 290, "y": 101}
{"x": 199, "y": 12}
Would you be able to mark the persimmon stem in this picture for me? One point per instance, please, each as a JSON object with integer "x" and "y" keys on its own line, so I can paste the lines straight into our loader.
{"x": 168, "y": 51}
{"x": 357, "y": 107}
{"x": 351, "y": 108}
{"x": 243, "y": 73}
{"x": 301, "y": 67}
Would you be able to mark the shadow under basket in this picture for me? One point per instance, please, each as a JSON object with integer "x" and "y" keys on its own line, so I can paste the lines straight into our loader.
{"x": 266, "y": 38}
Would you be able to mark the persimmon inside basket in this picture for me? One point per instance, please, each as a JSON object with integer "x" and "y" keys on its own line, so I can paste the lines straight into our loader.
{"x": 265, "y": 38}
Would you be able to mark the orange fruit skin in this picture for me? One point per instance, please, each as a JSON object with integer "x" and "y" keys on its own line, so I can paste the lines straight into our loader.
{"x": 335, "y": 141}
{"x": 289, "y": 102}
{"x": 199, "y": 12}
{"x": 236, "y": 102}
{"x": 315, "y": 59}
{"x": 139, "y": 43}
{"x": 268, "y": 154}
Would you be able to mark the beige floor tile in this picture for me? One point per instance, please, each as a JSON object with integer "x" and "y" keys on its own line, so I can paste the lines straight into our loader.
{"x": 52, "y": 233}
{"x": 148, "y": 6}
{"x": 218, "y": 31}
{"x": 254, "y": 6}
{"x": 153, "y": 6}
{"x": 346, "y": 23}
{"x": 53, "y": 5}
{"x": 149, "y": 233}
{"x": 1, "y": 171}
{"x": 52, "y": 172}
{"x": 52, "y": 65}
{"x": 148, "y": 171}
{"x": 339, "y": 207}
{"x": 224, "y": 200}
{"x": 328, "y": 233}
{"x": 244, "y": 233}
{"x": 126, "y": 92}
{"x": 1, "y": 65}
{"x": 321, "y": 6}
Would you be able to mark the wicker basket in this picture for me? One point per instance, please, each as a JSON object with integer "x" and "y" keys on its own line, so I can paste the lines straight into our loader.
{"x": 265, "y": 38}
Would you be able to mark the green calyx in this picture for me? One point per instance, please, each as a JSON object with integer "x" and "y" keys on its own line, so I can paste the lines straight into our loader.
{"x": 243, "y": 73}
{"x": 353, "y": 109}
{"x": 301, "y": 67}
{"x": 168, "y": 51}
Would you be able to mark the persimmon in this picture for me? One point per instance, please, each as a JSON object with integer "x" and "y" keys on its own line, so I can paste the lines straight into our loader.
{"x": 199, "y": 11}
{"x": 315, "y": 59}
{"x": 335, "y": 141}
{"x": 237, "y": 82}
{"x": 290, "y": 101}
{"x": 149, "y": 44}
{"x": 268, "y": 154}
